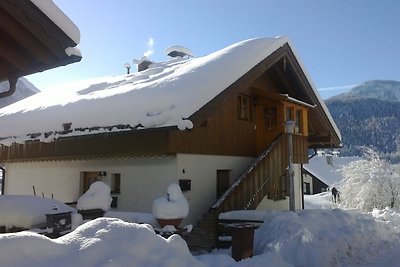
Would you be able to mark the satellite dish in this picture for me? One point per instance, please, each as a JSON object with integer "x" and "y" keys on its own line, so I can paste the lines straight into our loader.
{"x": 178, "y": 51}
{"x": 128, "y": 67}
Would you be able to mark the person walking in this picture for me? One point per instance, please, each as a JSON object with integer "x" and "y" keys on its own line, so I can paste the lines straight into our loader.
{"x": 334, "y": 194}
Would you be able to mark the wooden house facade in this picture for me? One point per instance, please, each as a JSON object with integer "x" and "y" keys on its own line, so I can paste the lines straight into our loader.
{"x": 234, "y": 157}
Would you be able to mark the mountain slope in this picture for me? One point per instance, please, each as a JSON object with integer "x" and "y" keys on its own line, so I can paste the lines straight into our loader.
{"x": 23, "y": 90}
{"x": 382, "y": 90}
{"x": 369, "y": 115}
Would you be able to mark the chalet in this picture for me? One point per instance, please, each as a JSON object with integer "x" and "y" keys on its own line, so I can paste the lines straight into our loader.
{"x": 213, "y": 124}
{"x": 35, "y": 36}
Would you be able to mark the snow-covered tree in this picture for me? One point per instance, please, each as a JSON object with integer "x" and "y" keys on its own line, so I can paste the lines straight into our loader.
{"x": 370, "y": 183}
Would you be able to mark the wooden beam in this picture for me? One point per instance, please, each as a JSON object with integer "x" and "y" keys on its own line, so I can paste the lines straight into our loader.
{"x": 35, "y": 21}
{"x": 10, "y": 53}
{"x": 24, "y": 38}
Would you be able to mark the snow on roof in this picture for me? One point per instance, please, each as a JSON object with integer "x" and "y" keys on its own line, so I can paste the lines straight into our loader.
{"x": 327, "y": 173}
{"x": 59, "y": 18}
{"x": 177, "y": 50}
{"x": 165, "y": 94}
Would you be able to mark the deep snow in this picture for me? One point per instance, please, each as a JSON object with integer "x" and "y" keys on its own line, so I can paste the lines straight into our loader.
{"x": 314, "y": 237}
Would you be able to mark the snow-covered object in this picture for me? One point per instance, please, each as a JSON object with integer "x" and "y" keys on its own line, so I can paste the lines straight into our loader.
{"x": 97, "y": 197}
{"x": 173, "y": 206}
{"x": 101, "y": 242}
{"x": 177, "y": 50}
{"x": 133, "y": 217}
{"x": 28, "y": 211}
{"x": 306, "y": 238}
{"x": 322, "y": 238}
{"x": 370, "y": 183}
{"x": 166, "y": 94}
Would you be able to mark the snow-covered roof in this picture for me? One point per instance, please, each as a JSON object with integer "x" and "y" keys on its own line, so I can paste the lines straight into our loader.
{"x": 328, "y": 173}
{"x": 165, "y": 94}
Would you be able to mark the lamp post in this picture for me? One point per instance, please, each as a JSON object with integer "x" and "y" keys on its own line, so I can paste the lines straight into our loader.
{"x": 289, "y": 127}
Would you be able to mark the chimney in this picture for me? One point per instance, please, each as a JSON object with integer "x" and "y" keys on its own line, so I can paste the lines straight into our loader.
{"x": 144, "y": 65}
{"x": 329, "y": 159}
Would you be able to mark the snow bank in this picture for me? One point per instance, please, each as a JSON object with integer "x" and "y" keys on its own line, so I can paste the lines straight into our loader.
{"x": 133, "y": 217}
{"x": 322, "y": 238}
{"x": 319, "y": 201}
{"x": 311, "y": 238}
{"x": 101, "y": 242}
{"x": 28, "y": 211}
{"x": 97, "y": 197}
{"x": 173, "y": 206}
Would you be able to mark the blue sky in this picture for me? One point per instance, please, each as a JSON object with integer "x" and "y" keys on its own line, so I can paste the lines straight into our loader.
{"x": 341, "y": 43}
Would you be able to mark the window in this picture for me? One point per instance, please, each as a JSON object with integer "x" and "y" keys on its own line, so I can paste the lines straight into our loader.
{"x": 298, "y": 125}
{"x": 270, "y": 118}
{"x": 289, "y": 114}
{"x": 115, "y": 183}
{"x": 244, "y": 108}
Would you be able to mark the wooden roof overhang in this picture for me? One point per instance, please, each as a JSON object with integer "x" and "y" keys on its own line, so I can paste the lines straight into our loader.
{"x": 114, "y": 145}
{"x": 30, "y": 41}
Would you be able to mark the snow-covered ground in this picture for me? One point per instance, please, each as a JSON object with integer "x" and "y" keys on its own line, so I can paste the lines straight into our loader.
{"x": 311, "y": 237}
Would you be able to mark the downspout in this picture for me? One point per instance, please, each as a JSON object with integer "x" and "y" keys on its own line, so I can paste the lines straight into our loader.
{"x": 302, "y": 187}
{"x": 3, "y": 172}
{"x": 12, "y": 80}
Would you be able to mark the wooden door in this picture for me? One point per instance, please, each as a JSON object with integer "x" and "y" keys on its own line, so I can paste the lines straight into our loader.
{"x": 223, "y": 182}
{"x": 268, "y": 120}
{"x": 89, "y": 178}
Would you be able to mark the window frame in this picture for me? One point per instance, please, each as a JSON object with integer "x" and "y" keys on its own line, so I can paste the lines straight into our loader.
{"x": 245, "y": 108}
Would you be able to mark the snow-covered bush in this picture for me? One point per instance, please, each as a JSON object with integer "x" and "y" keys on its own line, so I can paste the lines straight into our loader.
{"x": 173, "y": 206}
{"x": 370, "y": 183}
{"x": 97, "y": 197}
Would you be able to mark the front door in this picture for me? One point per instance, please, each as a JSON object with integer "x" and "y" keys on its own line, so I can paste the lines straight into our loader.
{"x": 223, "y": 182}
{"x": 89, "y": 178}
{"x": 267, "y": 124}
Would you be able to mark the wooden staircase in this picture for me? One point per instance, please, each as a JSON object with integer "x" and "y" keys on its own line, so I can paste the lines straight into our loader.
{"x": 203, "y": 236}
{"x": 262, "y": 177}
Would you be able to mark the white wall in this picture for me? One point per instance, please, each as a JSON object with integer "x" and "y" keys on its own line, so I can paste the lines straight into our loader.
{"x": 202, "y": 170}
{"x": 308, "y": 179}
{"x": 269, "y": 204}
{"x": 141, "y": 179}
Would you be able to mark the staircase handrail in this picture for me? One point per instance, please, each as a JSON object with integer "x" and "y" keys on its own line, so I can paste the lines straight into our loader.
{"x": 246, "y": 172}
